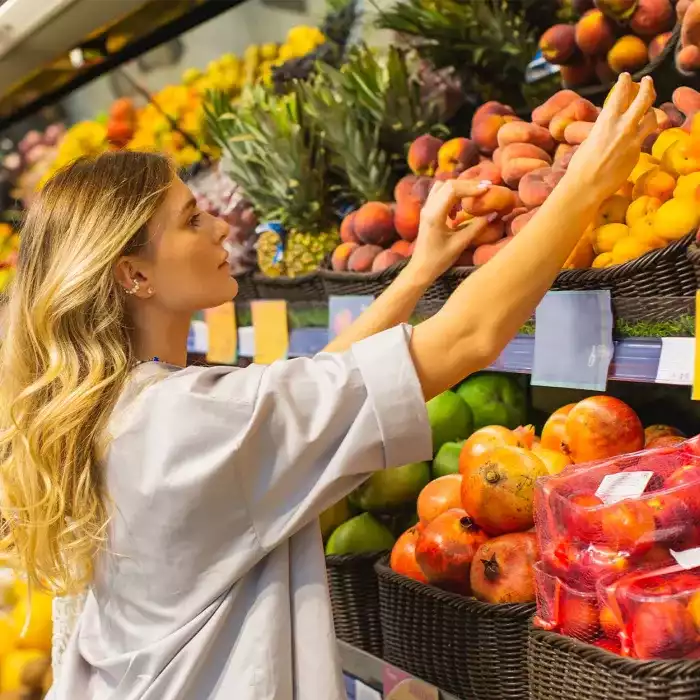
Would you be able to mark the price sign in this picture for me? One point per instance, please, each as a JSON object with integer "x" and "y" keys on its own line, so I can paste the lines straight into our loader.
{"x": 270, "y": 330}
{"x": 198, "y": 338}
{"x": 223, "y": 337}
{"x": 696, "y": 373}
{"x": 573, "y": 340}
{"x": 676, "y": 361}
{"x": 342, "y": 311}
{"x": 617, "y": 487}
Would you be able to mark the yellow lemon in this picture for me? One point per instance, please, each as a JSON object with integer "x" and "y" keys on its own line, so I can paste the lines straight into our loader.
{"x": 13, "y": 666}
{"x": 676, "y": 218}
{"x": 606, "y": 237}
{"x": 38, "y": 633}
{"x": 629, "y": 249}
{"x": 603, "y": 260}
{"x": 688, "y": 186}
{"x": 665, "y": 139}
{"x": 640, "y": 208}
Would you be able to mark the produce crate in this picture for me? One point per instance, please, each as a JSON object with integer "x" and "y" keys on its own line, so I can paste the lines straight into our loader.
{"x": 305, "y": 288}
{"x": 474, "y": 650}
{"x": 355, "y": 599}
{"x": 562, "y": 667}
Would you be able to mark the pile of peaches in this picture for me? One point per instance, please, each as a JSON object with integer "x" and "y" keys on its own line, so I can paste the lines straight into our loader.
{"x": 475, "y": 531}
{"x": 524, "y": 161}
{"x": 619, "y": 565}
{"x": 612, "y": 36}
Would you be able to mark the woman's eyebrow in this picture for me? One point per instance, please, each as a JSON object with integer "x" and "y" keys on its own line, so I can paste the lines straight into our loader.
{"x": 189, "y": 204}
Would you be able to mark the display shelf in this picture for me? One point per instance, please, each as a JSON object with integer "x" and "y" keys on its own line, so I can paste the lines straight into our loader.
{"x": 378, "y": 674}
{"x": 634, "y": 359}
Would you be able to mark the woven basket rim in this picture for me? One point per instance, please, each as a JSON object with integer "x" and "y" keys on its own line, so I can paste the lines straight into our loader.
{"x": 284, "y": 281}
{"x": 339, "y": 559}
{"x": 614, "y": 662}
{"x": 454, "y": 599}
{"x": 369, "y": 277}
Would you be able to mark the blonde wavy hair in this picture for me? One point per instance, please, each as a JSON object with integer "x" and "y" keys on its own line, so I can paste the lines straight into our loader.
{"x": 65, "y": 359}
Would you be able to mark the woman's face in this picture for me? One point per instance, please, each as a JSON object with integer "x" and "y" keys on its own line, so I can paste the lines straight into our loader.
{"x": 187, "y": 264}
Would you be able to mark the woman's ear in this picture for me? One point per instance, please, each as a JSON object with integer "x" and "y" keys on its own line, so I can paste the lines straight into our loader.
{"x": 132, "y": 276}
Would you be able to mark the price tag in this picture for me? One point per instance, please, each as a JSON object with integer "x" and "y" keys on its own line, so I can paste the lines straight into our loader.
{"x": 364, "y": 692}
{"x": 246, "y": 341}
{"x": 343, "y": 311}
{"x": 617, "y": 487}
{"x": 688, "y": 558}
{"x": 270, "y": 330}
{"x": 198, "y": 338}
{"x": 696, "y": 373}
{"x": 573, "y": 340}
{"x": 223, "y": 337}
{"x": 676, "y": 361}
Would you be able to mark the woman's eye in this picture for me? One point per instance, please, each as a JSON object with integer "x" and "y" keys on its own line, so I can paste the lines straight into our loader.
{"x": 194, "y": 221}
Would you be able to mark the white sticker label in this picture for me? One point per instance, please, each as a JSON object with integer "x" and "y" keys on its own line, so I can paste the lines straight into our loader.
{"x": 618, "y": 487}
{"x": 246, "y": 341}
{"x": 676, "y": 362}
{"x": 688, "y": 558}
{"x": 364, "y": 692}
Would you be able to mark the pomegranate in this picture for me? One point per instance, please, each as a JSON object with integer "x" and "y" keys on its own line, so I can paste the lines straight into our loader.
{"x": 502, "y": 569}
{"x": 582, "y": 521}
{"x": 653, "y": 432}
{"x": 438, "y": 496}
{"x": 446, "y": 548}
{"x": 498, "y": 489}
{"x": 554, "y": 461}
{"x": 665, "y": 441}
{"x": 629, "y": 526}
{"x": 486, "y": 439}
{"x": 687, "y": 474}
{"x": 403, "y": 555}
{"x": 609, "y": 622}
{"x": 663, "y": 630}
{"x": 600, "y": 427}
{"x": 554, "y": 431}
{"x": 579, "y": 616}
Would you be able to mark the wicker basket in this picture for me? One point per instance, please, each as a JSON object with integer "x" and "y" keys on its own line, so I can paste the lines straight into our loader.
{"x": 694, "y": 258}
{"x": 561, "y": 667}
{"x": 305, "y": 288}
{"x": 471, "y": 649}
{"x": 246, "y": 287}
{"x": 355, "y": 599}
{"x": 666, "y": 272}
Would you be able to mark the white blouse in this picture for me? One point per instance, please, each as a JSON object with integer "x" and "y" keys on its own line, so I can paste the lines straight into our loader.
{"x": 214, "y": 584}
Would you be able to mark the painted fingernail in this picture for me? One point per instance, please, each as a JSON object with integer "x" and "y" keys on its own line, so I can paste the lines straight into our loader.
{"x": 492, "y": 216}
{"x": 484, "y": 184}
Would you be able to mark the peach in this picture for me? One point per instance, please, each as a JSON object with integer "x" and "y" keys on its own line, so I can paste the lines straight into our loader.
{"x": 663, "y": 629}
{"x": 423, "y": 155}
{"x": 580, "y": 110}
{"x": 626, "y": 190}
{"x": 404, "y": 187}
{"x": 652, "y": 17}
{"x": 374, "y": 224}
{"x": 690, "y": 29}
{"x": 535, "y": 187}
{"x": 582, "y": 255}
{"x": 492, "y": 233}
{"x": 675, "y": 219}
{"x": 485, "y": 130}
{"x": 577, "y": 132}
{"x": 523, "y": 150}
{"x": 688, "y": 187}
{"x": 456, "y": 155}
{"x": 516, "y": 168}
{"x": 445, "y": 175}
{"x": 602, "y": 260}
{"x": 496, "y": 157}
{"x": 607, "y": 236}
{"x": 341, "y": 256}
{"x": 563, "y": 154}
{"x": 645, "y": 162}
{"x": 347, "y": 229}
{"x": 595, "y": 33}
{"x": 484, "y": 253}
{"x": 492, "y": 107}
{"x": 688, "y": 58}
{"x": 421, "y": 188}
{"x": 484, "y": 171}
{"x": 386, "y": 259}
{"x": 603, "y": 71}
{"x": 617, "y": 10}
{"x": 644, "y": 232}
{"x": 362, "y": 257}
{"x": 407, "y": 218}
{"x": 658, "y": 44}
{"x": 628, "y": 54}
{"x": 518, "y": 224}
{"x": 521, "y": 132}
{"x": 496, "y": 199}
{"x": 640, "y": 208}
{"x": 403, "y": 248}
{"x": 687, "y": 101}
{"x": 578, "y": 73}
{"x": 543, "y": 114}
{"x": 558, "y": 43}
{"x": 612, "y": 211}
{"x": 629, "y": 248}
{"x": 655, "y": 183}
{"x": 682, "y": 157}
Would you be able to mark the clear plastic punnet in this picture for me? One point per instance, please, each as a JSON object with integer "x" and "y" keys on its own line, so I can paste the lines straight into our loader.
{"x": 606, "y": 519}
{"x": 653, "y": 614}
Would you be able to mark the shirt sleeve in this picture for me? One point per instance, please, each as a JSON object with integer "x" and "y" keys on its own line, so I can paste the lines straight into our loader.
{"x": 298, "y": 435}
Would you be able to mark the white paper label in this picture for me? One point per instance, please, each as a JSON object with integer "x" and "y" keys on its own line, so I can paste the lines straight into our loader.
{"x": 246, "y": 341}
{"x": 618, "y": 487}
{"x": 676, "y": 362}
{"x": 198, "y": 339}
{"x": 688, "y": 558}
{"x": 364, "y": 692}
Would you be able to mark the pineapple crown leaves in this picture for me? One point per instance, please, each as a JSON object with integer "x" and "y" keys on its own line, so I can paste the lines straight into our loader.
{"x": 275, "y": 155}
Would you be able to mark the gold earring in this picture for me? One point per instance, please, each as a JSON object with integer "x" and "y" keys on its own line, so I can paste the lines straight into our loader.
{"x": 150, "y": 291}
{"x": 134, "y": 289}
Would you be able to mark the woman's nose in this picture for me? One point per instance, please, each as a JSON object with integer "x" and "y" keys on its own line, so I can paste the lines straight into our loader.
{"x": 221, "y": 229}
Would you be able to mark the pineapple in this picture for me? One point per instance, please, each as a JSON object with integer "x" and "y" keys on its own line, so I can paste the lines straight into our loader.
{"x": 277, "y": 158}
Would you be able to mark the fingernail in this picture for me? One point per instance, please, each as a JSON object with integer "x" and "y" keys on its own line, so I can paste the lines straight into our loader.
{"x": 484, "y": 184}
{"x": 492, "y": 216}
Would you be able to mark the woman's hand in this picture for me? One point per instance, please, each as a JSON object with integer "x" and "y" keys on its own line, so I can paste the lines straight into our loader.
{"x": 606, "y": 158}
{"x": 438, "y": 246}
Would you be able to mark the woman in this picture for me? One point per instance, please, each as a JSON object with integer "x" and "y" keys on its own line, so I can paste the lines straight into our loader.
{"x": 187, "y": 499}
